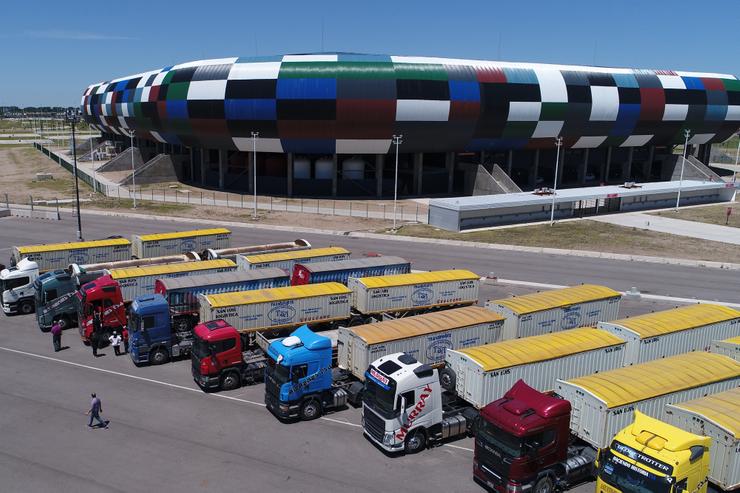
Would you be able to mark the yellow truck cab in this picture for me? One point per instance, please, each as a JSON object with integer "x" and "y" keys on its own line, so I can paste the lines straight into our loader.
{"x": 652, "y": 456}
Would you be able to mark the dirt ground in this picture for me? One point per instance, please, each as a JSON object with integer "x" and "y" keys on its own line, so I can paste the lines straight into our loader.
{"x": 594, "y": 236}
{"x": 18, "y": 167}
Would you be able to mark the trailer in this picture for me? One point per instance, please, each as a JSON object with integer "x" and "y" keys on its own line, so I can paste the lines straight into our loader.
{"x": 341, "y": 270}
{"x": 232, "y": 252}
{"x": 718, "y": 417}
{"x": 59, "y": 255}
{"x": 729, "y": 347}
{"x": 278, "y": 308}
{"x": 81, "y": 269}
{"x": 670, "y": 332}
{"x": 137, "y": 281}
{"x": 426, "y": 337}
{"x": 408, "y": 293}
{"x": 604, "y": 403}
{"x": 557, "y": 309}
{"x": 482, "y": 374}
{"x": 197, "y": 240}
{"x": 287, "y": 260}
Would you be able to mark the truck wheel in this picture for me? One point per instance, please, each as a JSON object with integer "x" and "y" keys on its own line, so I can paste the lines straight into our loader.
{"x": 311, "y": 409}
{"x": 64, "y": 323}
{"x": 26, "y": 307}
{"x": 544, "y": 485}
{"x": 447, "y": 379}
{"x": 230, "y": 381}
{"x": 415, "y": 442}
{"x": 158, "y": 357}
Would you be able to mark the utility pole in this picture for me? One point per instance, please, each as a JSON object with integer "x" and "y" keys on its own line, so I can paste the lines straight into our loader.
{"x": 558, "y": 142}
{"x": 72, "y": 117}
{"x": 397, "y": 140}
{"x": 254, "y": 171}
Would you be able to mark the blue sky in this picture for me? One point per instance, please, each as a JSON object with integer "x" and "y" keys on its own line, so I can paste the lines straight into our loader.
{"x": 50, "y": 50}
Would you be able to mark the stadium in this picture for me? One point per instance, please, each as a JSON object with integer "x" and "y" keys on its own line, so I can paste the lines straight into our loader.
{"x": 324, "y": 124}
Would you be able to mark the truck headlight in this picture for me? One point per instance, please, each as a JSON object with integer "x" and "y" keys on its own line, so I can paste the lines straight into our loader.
{"x": 388, "y": 438}
{"x": 284, "y": 408}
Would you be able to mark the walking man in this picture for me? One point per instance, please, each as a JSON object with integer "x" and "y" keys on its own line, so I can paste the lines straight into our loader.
{"x": 56, "y": 336}
{"x": 96, "y": 407}
{"x": 115, "y": 341}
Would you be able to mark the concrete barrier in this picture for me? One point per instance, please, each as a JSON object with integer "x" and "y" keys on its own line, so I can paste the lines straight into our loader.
{"x": 4, "y": 212}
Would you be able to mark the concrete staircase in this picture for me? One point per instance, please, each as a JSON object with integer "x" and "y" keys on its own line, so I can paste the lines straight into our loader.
{"x": 159, "y": 169}
{"x": 693, "y": 170}
{"x": 122, "y": 162}
{"x": 493, "y": 182}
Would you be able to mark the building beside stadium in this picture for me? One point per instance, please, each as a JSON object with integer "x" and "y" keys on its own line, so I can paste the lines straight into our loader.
{"x": 324, "y": 124}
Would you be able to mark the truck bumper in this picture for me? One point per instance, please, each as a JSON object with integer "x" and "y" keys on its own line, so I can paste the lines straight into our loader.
{"x": 205, "y": 381}
{"x": 139, "y": 357}
{"x": 492, "y": 481}
{"x": 281, "y": 410}
{"x": 10, "y": 308}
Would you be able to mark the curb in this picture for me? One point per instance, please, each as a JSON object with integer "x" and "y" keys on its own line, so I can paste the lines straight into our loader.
{"x": 460, "y": 243}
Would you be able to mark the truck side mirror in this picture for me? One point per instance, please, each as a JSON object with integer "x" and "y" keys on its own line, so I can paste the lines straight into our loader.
{"x": 402, "y": 407}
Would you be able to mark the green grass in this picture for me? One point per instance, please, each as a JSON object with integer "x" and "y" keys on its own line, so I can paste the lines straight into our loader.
{"x": 593, "y": 236}
{"x": 144, "y": 205}
{"x": 712, "y": 214}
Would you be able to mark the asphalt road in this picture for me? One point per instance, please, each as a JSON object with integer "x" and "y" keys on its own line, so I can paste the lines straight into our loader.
{"x": 167, "y": 435}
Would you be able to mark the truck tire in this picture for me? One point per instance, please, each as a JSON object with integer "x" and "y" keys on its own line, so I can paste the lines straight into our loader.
{"x": 26, "y": 307}
{"x": 159, "y": 356}
{"x": 447, "y": 379}
{"x": 230, "y": 381}
{"x": 310, "y": 409}
{"x": 544, "y": 485}
{"x": 416, "y": 441}
{"x": 64, "y": 322}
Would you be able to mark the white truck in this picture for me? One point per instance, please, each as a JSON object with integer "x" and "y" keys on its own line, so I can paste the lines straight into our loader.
{"x": 16, "y": 286}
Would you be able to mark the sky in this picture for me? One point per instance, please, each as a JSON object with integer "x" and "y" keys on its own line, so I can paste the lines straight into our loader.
{"x": 50, "y": 51}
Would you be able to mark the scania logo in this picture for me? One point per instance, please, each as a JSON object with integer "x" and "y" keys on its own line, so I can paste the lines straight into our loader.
{"x": 421, "y": 296}
{"x": 281, "y": 314}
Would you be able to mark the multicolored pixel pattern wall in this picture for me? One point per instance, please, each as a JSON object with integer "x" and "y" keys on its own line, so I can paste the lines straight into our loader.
{"x": 353, "y": 103}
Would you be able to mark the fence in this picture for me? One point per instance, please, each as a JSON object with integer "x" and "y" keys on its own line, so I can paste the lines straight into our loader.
{"x": 360, "y": 209}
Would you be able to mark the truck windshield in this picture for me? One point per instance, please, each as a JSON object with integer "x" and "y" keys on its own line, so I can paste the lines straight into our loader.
{"x": 13, "y": 283}
{"x": 507, "y": 443}
{"x": 380, "y": 399}
{"x": 134, "y": 322}
{"x": 200, "y": 348}
{"x": 631, "y": 478}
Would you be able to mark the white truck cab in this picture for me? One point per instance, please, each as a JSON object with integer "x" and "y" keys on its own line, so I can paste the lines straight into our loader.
{"x": 16, "y": 285}
{"x": 404, "y": 408}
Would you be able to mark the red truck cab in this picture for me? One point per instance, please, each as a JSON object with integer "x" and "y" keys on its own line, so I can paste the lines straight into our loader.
{"x": 522, "y": 442}
{"x": 221, "y": 359}
{"x": 101, "y": 295}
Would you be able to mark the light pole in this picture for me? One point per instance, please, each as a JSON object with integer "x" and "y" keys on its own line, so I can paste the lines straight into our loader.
{"x": 133, "y": 169}
{"x": 397, "y": 141}
{"x": 687, "y": 133}
{"x": 737, "y": 155}
{"x": 92, "y": 156}
{"x": 254, "y": 171}
{"x": 72, "y": 117}
{"x": 558, "y": 142}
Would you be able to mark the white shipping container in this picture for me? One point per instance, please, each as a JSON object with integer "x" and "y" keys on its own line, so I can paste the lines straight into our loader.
{"x": 137, "y": 281}
{"x": 60, "y": 255}
{"x": 278, "y": 308}
{"x": 197, "y": 240}
{"x": 670, "y": 332}
{"x": 287, "y": 260}
{"x": 718, "y": 417}
{"x": 425, "y": 337}
{"x": 484, "y": 373}
{"x": 729, "y": 347}
{"x": 557, "y": 309}
{"x": 604, "y": 403}
{"x": 416, "y": 291}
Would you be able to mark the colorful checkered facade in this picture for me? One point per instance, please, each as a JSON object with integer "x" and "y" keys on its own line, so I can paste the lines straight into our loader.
{"x": 351, "y": 103}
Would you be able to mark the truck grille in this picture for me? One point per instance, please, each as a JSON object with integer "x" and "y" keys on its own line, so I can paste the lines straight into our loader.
{"x": 493, "y": 463}
{"x": 271, "y": 388}
{"x": 374, "y": 425}
{"x": 195, "y": 364}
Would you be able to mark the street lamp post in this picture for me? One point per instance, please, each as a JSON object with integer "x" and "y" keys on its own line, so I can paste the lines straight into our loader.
{"x": 133, "y": 169}
{"x": 73, "y": 116}
{"x": 687, "y": 133}
{"x": 254, "y": 171}
{"x": 92, "y": 156}
{"x": 558, "y": 142}
{"x": 397, "y": 141}
{"x": 737, "y": 155}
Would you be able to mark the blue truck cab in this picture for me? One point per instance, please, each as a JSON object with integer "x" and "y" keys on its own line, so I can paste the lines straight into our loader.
{"x": 152, "y": 338}
{"x": 299, "y": 380}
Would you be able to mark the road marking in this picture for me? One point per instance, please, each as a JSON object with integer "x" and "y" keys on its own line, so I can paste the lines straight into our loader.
{"x": 175, "y": 386}
{"x": 657, "y": 297}
{"x": 458, "y": 447}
